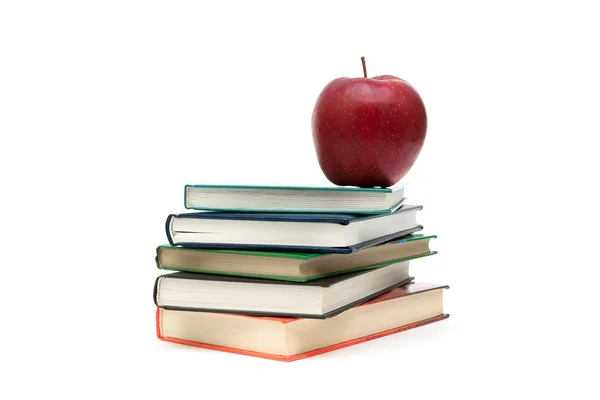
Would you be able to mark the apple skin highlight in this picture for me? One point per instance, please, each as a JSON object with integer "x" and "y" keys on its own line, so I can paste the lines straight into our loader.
{"x": 368, "y": 132}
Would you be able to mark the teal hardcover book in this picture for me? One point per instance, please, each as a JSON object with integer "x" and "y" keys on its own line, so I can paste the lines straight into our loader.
{"x": 294, "y": 199}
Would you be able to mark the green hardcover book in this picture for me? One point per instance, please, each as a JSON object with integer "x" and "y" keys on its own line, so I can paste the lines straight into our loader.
{"x": 298, "y": 267}
{"x": 294, "y": 199}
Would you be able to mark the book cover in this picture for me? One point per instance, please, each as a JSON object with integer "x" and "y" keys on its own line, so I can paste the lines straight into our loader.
{"x": 319, "y": 218}
{"x": 304, "y": 256}
{"x": 341, "y": 219}
{"x": 302, "y": 355}
{"x": 405, "y": 290}
{"x": 323, "y": 282}
{"x": 311, "y": 190}
{"x": 300, "y": 258}
{"x": 299, "y": 279}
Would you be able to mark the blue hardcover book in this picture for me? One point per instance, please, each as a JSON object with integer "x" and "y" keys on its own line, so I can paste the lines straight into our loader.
{"x": 317, "y": 233}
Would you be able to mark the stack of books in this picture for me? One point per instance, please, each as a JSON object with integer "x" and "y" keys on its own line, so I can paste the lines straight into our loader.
{"x": 291, "y": 272}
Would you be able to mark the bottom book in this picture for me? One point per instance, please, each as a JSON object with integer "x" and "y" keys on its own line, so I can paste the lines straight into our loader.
{"x": 289, "y": 339}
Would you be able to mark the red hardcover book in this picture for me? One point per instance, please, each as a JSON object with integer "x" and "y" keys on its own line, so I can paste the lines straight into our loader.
{"x": 289, "y": 339}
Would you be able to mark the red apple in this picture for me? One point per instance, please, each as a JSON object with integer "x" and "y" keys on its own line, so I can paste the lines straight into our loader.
{"x": 368, "y": 132}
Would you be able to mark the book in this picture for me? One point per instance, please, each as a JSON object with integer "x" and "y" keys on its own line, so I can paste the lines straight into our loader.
{"x": 290, "y": 232}
{"x": 289, "y": 339}
{"x": 290, "y": 199}
{"x": 290, "y": 266}
{"x": 321, "y": 298}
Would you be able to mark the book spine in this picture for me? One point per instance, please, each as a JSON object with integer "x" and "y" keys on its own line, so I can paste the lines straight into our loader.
{"x": 158, "y": 324}
{"x": 185, "y": 196}
{"x": 155, "y": 291}
{"x": 156, "y": 258}
{"x": 168, "y": 229}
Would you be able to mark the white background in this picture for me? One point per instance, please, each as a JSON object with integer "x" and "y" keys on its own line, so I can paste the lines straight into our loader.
{"x": 108, "y": 108}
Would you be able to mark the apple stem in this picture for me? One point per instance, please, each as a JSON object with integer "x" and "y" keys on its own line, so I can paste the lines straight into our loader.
{"x": 364, "y": 66}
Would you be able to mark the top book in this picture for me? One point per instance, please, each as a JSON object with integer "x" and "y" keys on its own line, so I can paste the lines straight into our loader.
{"x": 290, "y": 199}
